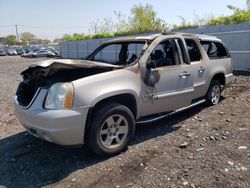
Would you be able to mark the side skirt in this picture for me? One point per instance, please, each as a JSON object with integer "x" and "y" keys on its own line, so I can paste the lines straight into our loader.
{"x": 152, "y": 118}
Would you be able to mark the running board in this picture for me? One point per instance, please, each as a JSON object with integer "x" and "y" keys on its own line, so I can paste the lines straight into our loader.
{"x": 170, "y": 113}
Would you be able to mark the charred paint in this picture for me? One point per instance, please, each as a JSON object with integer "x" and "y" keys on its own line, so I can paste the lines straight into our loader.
{"x": 44, "y": 75}
{"x": 152, "y": 77}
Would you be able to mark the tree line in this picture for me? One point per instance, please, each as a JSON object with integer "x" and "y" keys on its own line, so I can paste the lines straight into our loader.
{"x": 26, "y": 38}
{"x": 143, "y": 19}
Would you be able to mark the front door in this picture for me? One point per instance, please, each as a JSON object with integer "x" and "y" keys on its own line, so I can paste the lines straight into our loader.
{"x": 173, "y": 80}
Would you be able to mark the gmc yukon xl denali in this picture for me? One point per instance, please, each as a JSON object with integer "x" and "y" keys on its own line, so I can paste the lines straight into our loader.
{"x": 129, "y": 80}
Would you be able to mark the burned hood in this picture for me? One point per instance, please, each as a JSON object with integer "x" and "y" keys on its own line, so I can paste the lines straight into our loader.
{"x": 66, "y": 67}
{"x": 72, "y": 63}
{"x": 46, "y": 73}
{"x": 59, "y": 65}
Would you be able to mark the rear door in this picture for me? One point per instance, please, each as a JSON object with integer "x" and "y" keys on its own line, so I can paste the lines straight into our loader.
{"x": 199, "y": 67}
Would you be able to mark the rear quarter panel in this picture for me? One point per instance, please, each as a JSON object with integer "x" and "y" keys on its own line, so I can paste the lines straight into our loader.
{"x": 216, "y": 66}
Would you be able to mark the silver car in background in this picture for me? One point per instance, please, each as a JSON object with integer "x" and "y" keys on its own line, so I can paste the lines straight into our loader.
{"x": 43, "y": 53}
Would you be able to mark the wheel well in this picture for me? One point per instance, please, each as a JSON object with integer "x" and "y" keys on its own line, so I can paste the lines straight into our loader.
{"x": 127, "y": 100}
{"x": 220, "y": 77}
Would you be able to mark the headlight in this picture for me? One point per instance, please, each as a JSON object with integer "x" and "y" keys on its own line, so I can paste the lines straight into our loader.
{"x": 60, "y": 96}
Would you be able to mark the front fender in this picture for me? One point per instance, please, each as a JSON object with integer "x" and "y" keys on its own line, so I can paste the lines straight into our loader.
{"x": 90, "y": 90}
{"x": 112, "y": 94}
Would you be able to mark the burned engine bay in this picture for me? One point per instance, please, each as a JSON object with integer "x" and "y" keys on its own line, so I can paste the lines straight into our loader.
{"x": 36, "y": 77}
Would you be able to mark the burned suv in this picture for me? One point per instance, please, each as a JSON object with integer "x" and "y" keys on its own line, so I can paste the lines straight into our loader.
{"x": 99, "y": 100}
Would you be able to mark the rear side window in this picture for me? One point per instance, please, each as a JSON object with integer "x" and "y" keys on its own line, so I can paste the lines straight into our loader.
{"x": 215, "y": 50}
{"x": 193, "y": 50}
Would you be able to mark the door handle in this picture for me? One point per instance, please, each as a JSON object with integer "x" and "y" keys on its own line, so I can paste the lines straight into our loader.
{"x": 201, "y": 69}
{"x": 184, "y": 74}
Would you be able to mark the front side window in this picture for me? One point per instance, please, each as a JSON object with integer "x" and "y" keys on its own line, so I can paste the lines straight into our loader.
{"x": 215, "y": 50}
{"x": 193, "y": 50}
{"x": 165, "y": 54}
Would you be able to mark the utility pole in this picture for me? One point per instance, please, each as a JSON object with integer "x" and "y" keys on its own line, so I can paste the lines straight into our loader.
{"x": 17, "y": 35}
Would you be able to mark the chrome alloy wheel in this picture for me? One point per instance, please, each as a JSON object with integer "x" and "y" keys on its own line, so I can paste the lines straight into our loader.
{"x": 114, "y": 131}
{"x": 215, "y": 94}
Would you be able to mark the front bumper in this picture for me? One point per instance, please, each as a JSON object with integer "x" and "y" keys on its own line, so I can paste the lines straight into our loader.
{"x": 63, "y": 127}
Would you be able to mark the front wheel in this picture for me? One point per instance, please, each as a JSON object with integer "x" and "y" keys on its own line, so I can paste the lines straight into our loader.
{"x": 214, "y": 93}
{"x": 112, "y": 129}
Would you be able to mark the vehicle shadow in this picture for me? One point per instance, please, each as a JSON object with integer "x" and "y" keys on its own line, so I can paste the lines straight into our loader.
{"x": 165, "y": 125}
{"x": 26, "y": 161}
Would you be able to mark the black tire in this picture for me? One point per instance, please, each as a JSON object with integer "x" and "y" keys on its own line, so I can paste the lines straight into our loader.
{"x": 210, "y": 99}
{"x": 99, "y": 119}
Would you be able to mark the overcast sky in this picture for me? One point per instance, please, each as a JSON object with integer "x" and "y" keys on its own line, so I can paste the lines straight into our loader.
{"x": 53, "y": 18}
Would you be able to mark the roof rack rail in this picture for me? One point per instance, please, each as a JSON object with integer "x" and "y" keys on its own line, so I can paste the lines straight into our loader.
{"x": 169, "y": 32}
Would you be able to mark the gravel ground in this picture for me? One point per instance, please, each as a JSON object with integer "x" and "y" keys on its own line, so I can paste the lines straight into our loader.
{"x": 201, "y": 147}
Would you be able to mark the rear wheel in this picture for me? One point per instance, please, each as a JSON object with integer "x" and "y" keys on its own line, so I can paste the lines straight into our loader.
{"x": 214, "y": 93}
{"x": 111, "y": 130}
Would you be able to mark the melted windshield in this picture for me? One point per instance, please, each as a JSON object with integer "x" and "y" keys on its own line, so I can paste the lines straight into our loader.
{"x": 118, "y": 53}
